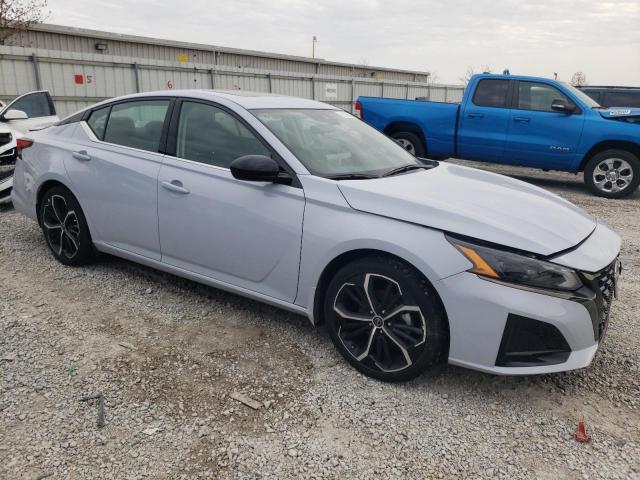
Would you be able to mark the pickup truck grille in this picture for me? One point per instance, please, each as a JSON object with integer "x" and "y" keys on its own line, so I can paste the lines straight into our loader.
{"x": 5, "y": 137}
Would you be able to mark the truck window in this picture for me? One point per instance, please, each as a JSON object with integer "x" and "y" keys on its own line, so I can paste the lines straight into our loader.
{"x": 538, "y": 96}
{"x": 491, "y": 93}
{"x": 622, "y": 99}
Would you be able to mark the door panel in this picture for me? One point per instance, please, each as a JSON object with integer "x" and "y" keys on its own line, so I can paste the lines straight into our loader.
{"x": 117, "y": 180}
{"x": 246, "y": 234}
{"x": 538, "y": 136}
{"x": 484, "y": 121}
{"x": 117, "y": 188}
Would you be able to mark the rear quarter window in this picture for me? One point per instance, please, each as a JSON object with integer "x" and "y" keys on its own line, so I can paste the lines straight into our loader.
{"x": 491, "y": 93}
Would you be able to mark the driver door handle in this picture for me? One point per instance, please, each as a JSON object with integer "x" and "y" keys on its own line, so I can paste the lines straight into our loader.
{"x": 82, "y": 155}
{"x": 521, "y": 119}
{"x": 475, "y": 115}
{"x": 175, "y": 186}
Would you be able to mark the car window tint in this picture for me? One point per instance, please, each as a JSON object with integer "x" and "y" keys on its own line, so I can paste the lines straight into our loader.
{"x": 137, "y": 124}
{"x": 538, "y": 96}
{"x": 34, "y": 105}
{"x": 98, "y": 121}
{"x": 491, "y": 93}
{"x": 209, "y": 135}
{"x": 622, "y": 99}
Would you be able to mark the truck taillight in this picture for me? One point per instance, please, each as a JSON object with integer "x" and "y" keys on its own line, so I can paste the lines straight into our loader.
{"x": 359, "y": 112}
{"x": 21, "y": 144}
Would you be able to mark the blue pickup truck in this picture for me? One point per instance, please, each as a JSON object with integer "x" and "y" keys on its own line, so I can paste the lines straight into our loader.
{"x": 517, "y": 120}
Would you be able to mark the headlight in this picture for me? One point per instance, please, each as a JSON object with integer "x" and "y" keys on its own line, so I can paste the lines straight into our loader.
{"x": 517, "y": 268}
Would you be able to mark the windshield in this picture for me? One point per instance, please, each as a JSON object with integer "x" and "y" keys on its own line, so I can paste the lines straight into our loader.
{"x": 334, "y": 142}
{"x": 583, "y": 97}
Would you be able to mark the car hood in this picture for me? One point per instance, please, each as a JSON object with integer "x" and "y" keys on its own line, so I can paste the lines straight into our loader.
{"x": 614, "y": 113}
{"x": 475, "y": 203}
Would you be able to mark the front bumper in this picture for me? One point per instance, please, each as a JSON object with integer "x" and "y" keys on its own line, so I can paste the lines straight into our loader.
{"x": 7, "y": 167}
{"x": 509, "y": 330}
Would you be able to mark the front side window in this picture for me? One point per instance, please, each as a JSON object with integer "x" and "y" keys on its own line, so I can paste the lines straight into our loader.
{"x": 538, "y": 96}
{"x": 210, "y": 135}
{"x": 491, "y": 93}
{"x": 333, "y": 142}
{"x": 98, "y": 121}
{"x": 34, "y": 105}
{"x": 137, "y": 124}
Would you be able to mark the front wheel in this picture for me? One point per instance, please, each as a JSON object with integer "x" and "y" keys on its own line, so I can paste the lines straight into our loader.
{"x": 410, "y": 142}
{"x": 612, "y": 173}
{"x": 386, "y": 319}
{"x": 65, "y": 227}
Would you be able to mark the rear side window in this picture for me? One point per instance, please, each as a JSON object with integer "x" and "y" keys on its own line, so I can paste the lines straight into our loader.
{"x": 34, "y": 105}
{"x": 137, "y": 124}
{"x": 491, "y": 93}
{"x": 98, "y": 121}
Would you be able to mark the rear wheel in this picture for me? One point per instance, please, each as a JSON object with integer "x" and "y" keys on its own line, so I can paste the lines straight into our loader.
{"x": 612, "y": 173}
{"x": 65, "y": 227}
{"x": 386, "y": 319}
{"x": 411, "y": 142}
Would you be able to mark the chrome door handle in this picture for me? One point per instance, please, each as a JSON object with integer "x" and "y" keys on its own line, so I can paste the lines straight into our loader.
{"x": 521, "y": 119}
{"x": 175, "y": 186}
{"x": 82, "y": 155}
{"x": 475, "y": 115}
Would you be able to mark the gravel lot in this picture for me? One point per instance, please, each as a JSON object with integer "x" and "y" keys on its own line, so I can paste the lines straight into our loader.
{"x": 166, "y": 354}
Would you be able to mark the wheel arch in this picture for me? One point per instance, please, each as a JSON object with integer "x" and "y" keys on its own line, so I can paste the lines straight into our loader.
{"x": 404, "y": 126}
{"x": 43, "y": 188}
{"x": 609, "y": 145}
{"x": 336, "y": 263}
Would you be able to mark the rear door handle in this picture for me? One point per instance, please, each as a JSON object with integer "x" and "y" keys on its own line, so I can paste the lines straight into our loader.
{"x": 521, "y": 119}
{"x": 475, "y": 115}
{"x": 82, "y": 155}
{"x": 175, "y": 186}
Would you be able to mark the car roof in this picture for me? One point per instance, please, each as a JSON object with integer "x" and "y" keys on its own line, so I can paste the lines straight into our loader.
{"x": 246, "y": 99}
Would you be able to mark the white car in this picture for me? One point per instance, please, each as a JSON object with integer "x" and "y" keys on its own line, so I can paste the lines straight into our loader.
{"x": 29, "y": 111}
{"x": 303, "y": 206}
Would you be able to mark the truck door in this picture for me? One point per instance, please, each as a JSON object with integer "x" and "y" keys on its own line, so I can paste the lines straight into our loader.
{"x": 484, "y": 120}
{"x": 540, "y": 136}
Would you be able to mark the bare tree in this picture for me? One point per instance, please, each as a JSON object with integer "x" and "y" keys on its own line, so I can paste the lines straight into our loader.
{"x": 433, "y": 77}
{"x": 471, "y": 71}
{"x": 579, "y": 79}
{"x": 18, "y": 15}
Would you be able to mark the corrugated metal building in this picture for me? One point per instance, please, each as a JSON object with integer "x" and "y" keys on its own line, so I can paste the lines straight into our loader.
{"x": 80, "y": 67}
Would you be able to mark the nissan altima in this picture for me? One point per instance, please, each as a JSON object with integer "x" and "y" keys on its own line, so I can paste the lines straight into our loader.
{"x": 408, "y": 262}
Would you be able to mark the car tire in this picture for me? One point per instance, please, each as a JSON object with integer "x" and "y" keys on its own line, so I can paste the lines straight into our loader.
{"x": 65, "y": 227}
{"x": 411, "y": 142}
{"x": 612, "y": 173}
{"x": 388, "y": 346}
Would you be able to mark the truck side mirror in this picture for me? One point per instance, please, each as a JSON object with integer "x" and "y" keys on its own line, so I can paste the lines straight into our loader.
{"x": 562, "y": 106}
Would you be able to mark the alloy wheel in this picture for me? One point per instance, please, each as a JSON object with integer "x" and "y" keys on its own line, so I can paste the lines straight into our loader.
{"x": 612, "y": 175}
{"x": 61, "y": 227}
{"x": 407, "y": 145}
{"x": 378, "y": 324}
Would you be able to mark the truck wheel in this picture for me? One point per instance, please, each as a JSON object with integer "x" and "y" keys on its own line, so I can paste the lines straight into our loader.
{"x": 410, "y": 142}
{"x": 612, "y": 173}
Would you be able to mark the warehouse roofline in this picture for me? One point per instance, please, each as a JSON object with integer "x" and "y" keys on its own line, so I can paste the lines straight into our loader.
{"x": 103, "y": 35}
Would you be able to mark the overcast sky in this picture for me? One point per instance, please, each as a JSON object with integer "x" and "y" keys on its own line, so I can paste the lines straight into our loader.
{"x": 534, "y": 37}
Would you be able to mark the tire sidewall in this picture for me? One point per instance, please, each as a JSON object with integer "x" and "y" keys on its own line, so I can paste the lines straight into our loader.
{"x": 85, "y": 244}
{"x": 414, "y": 139}
{"x": 436, "y": 344}
{"x": 613, "y": 153}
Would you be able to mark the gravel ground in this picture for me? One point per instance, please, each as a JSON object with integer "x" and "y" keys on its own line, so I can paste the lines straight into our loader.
{"x": 167, "y": 355}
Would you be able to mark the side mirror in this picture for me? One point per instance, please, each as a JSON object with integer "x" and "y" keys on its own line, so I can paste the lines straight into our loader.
{"x": 14, "y": 115}
{"x": 563, "y": 107}
{"x": 255, "y": 168}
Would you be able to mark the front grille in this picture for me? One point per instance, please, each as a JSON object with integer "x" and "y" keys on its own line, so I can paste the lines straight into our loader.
{"x": 5, "y": 137}
{"x": 606, "y": 284}
{"x": 7, "y": 164}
